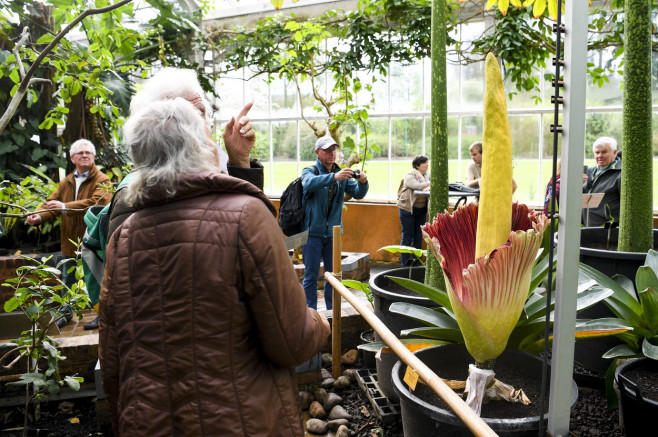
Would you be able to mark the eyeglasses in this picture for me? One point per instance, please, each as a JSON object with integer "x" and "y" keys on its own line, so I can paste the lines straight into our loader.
{"x": 84, "y": 153}
{"x": 330, "y": 150}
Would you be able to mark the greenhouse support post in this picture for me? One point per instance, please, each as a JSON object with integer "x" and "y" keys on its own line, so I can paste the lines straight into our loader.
{"x": 572, "y": 156}
{"x": 336, "y": 319}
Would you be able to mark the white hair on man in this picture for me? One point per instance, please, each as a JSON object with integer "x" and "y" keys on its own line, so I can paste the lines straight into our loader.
{"x": 166, "y": 141}
{"x": 603, "y": 141}
{"x": 170, "y": 83}
{"x": 81, "y": 142}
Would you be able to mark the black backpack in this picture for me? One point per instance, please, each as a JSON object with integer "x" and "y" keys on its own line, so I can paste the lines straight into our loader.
{"x": 291, "y": 208}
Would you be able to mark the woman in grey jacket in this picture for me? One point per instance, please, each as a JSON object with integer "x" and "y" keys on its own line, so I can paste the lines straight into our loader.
{"x": 413, "y": 208}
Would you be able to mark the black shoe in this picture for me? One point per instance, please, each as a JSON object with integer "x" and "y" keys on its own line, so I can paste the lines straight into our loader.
{"x": 91, "y": 325}
{"x": 62, "y": 322}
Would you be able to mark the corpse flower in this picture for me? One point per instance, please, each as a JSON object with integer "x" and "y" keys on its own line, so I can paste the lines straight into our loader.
{"x": 487, "y": 293}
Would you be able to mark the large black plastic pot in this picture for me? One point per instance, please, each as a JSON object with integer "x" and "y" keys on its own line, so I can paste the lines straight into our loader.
{"x": 635, "y": 411}
{"x": 421, "y": 418}
{"x": 593, "y": 252}
{"x": 385, "y": 292}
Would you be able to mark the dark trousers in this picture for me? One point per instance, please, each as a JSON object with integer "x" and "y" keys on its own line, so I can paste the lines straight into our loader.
{"x": 411, "y": 233}
{"x": 317, "y": 250}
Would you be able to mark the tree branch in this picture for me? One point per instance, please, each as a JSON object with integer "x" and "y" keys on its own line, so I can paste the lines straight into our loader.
{"x": 26, "y": 80}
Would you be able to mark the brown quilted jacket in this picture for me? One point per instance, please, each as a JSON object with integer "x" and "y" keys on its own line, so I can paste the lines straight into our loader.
{"x": 90, "y": 193}
{"x": 202, "y": 318}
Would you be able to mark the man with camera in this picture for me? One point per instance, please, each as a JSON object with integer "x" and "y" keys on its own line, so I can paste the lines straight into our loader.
{"x": 324, "y": 210}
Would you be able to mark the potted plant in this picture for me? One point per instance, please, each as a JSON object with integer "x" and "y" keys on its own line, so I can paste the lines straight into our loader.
{"x": 37, "y": 297}
{"x": 636, "y": 234}
{"x": 487, "y": 252}
{"x": 640, "y": 345}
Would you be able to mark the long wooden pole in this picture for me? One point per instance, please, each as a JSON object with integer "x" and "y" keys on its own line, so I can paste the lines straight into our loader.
{"x": 456, "y": 404}
{"x": 336, "y": 316}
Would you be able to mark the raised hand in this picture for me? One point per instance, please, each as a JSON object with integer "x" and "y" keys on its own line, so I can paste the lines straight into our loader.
{"x": 239, "y": 138}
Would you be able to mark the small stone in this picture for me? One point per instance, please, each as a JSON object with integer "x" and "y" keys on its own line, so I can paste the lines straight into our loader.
{"x": 350, "y": 357}
{"x": 305, "y": 398}
{"x": 342, "y": 382}
{"x": 328, "y": 383}
{"x": 327, "y": 360}
{"x": 351, "y": 374}
{"x": 325, "y": 373}
{"x": 320, "y": 394}
{"x": 338, "y": 412}
{"x": 331, "y": 401}
{"x": 316, "y": 410}
{"x": 335, "y": 424}
{"x": 343, "y": 431}
{"x": 316, "y": 426}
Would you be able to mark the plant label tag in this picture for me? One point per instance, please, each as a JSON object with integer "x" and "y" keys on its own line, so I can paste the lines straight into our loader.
{"x": 411, "y": 378}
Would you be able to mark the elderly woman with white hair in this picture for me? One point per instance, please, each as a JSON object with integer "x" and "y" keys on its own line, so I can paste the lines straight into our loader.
{"x": 202, "y": 316}
{"x": 239, "y": 137}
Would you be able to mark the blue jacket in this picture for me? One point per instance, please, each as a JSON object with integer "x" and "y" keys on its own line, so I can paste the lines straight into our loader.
{"x": 315, "y": 212}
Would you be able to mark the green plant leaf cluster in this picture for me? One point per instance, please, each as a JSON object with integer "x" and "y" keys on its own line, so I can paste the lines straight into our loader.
{"x": 92, "y": 74}
{"x": 528, "y": 335}
{"x": 38, "y": 296}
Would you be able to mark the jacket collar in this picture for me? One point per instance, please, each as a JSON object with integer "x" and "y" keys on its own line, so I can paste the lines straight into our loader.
{"x": 206, "y": 182}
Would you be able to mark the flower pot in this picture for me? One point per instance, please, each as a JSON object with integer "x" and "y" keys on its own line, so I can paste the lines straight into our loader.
{"x": 424, "y": 414}
{"x": 385, "y": 361}
{"x": 638, "y": 383}
{"x": 595, "y": 252}
{"x": 385, "y": 292}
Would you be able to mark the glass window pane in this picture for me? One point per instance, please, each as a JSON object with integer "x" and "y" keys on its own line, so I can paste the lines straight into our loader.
{"x": 406, "y": 87}
{"x": 607, "y": 124}
{"x": 472, "y": 92}
{"x": 406, "y": 137}
{"x": 284, "y": 98}
{"x": 525, "y": 152}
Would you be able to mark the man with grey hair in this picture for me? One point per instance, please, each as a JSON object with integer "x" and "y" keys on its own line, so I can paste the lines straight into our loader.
{"x": 604, "y": 178}
{"x": 75, "y": 193}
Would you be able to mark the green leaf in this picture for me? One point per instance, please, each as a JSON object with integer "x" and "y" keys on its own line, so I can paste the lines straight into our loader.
{"x": 377, "y": 345}
{"x": 73, "y": 382}
{"x": 646, "y": 278}
{"x": 622, "y": 351}
{"x": 649, "y": 301}
{"x": 428, "y": 316}
{"x": 11, "y": 304}
{"x": 434, "y": 294}
{"x": 649, "y": 350}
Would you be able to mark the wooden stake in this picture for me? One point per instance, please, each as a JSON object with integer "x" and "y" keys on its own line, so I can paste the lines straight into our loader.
{"x": 336, "y": 316}
{"x": 456, "y": 404}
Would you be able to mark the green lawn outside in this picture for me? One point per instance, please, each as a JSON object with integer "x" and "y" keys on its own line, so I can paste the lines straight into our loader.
{"x": 531, "y": 186}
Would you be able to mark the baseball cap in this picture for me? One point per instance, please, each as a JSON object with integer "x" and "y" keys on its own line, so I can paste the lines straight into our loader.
{"x": 325, "y": 142}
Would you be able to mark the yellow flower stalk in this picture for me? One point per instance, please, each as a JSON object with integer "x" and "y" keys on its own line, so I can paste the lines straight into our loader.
{"x": 495, "y": 216}
{"x": 487, "y": 249}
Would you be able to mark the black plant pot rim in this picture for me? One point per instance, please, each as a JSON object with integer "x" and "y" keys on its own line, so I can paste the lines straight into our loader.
{"x": 377, "y": 290}
{"x": 584, "y": 250}
{"x": 447, "y": 416}
{"x": 629, "y": 387}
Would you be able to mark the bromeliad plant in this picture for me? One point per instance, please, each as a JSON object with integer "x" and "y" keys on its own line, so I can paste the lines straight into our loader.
{"x": 640, "y": 313}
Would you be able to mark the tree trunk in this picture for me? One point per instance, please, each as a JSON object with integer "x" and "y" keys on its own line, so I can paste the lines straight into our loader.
{"x": 439, "y": 121}
{"x": 636, "y": 214}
